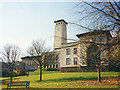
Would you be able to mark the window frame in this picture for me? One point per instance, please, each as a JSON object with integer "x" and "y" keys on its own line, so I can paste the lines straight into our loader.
{"x": 75, "y": 50}
{"x": 68, "y": 59}
{"x": 75, "y": 60}
{"x": 68, "y": 51}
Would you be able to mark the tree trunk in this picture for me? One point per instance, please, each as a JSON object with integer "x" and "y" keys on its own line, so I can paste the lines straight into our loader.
{"x": 11, "y": 76}
{"x": 40, "y": 73}
{"x": 99, "y": 77}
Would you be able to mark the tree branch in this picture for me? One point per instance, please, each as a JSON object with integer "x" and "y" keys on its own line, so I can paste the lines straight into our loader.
{"x": 101, "y": 11}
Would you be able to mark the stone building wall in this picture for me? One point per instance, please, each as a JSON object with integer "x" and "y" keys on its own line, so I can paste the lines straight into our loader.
{"x": 60, "y": 36}
{"x": 71, "y": 56}
{"x": 29, "y": 64}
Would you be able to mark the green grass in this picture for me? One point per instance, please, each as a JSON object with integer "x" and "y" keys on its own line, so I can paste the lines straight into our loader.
{"x": 56, "y": 79}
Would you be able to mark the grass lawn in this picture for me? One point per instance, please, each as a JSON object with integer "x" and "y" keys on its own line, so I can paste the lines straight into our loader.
{"x": 56, "y": 79}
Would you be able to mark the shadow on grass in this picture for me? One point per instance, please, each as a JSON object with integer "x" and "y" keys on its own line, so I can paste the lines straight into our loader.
{"x": 68, "y": 79}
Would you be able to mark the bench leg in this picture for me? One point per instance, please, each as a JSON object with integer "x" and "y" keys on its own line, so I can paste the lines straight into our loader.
{"x": 26, "y": 85}
{"x": 7, "y": 85}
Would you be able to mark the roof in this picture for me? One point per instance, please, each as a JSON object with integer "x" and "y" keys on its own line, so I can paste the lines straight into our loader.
{"x": 28, "y": 57}
{"x": 31, "y": 57}
{"x": 95, "y": 32}
{"x": 60, "y": 21}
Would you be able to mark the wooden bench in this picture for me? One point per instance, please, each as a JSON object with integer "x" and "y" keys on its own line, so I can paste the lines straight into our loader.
{"x": 20, "y": 83}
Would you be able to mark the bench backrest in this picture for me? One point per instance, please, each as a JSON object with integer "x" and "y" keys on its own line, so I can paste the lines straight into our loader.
{"x": 20, "y": 82}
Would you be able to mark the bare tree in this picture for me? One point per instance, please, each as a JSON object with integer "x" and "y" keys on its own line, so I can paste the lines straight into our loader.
{"x": 10, "y": 55}
{"x": 41, "y": 54}
{"x": 98, "y": 16}
{"x": 93, "y": 48}
{"x": 114, "y": 53}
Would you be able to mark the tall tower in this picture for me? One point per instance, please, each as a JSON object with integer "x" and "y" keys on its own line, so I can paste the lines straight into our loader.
{"x": 60, "y": 36}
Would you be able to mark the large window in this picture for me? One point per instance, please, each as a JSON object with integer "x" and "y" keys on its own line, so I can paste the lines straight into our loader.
{"x": 67, "y": 51}
{"x": 75, "y": 60}
{"x": 75, "y": 50}
{"x": 67, "y": 61}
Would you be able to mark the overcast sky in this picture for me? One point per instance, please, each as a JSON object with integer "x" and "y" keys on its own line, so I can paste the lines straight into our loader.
{"x": 23, "y": 22}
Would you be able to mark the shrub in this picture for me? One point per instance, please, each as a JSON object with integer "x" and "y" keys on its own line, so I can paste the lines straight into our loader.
{"x": 51, "y": 69}
{"x": 20, "y": 72}
{"x": 7, "y": 73}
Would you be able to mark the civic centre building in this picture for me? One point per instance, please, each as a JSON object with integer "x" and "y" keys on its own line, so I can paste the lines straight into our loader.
{"x": 73, "y": 56}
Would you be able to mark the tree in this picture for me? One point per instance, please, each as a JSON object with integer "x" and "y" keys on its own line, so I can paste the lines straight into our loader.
{"x": 10, "y": 55}
{"x": 114, "y": 53}
{"x": 41, "y": 54}
{"x": 98, "y": 16}
{"x": 93, "y": 48}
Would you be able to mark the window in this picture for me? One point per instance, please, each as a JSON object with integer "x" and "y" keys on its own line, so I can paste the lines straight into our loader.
{"x": 57, "y": 58}
{"x": 75, "y": 60}
{"x": 67, "y": 51}
{"x": 67, "y": 61}
{"x": 44, "y": 66}
{"x": 75, "y": 50}
{"x": 56, "y": 65}
{"x": 53, "y": 65}
{"x": 50, "y": 65}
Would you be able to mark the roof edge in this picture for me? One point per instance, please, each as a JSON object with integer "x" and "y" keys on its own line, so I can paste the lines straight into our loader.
{"x": 104, "y": 31}
{"x": 61, "y": 20}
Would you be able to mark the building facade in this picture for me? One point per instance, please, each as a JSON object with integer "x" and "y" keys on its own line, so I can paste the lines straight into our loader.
{"x": 50, "y": 61}
{"x": 75, "y": 55}
{"x": 29, "y": 64}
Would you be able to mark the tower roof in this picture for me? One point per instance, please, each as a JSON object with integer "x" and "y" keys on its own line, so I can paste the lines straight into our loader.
{"x": 60, "y": 21}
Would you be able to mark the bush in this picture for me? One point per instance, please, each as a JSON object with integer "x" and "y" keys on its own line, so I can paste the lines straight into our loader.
{"x": 20, "y": 72}
{"x": 7, "y": 73}
{"x": 51, "y": 69}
